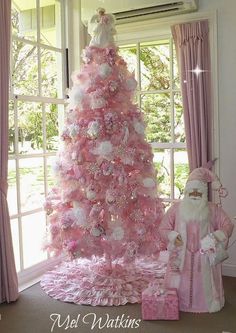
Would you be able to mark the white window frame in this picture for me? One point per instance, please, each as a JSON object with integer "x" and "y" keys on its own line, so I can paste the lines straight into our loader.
{"x": 160, "y": 29}
{"x": 33, "y": 272}
{"x": 172, "y": 145}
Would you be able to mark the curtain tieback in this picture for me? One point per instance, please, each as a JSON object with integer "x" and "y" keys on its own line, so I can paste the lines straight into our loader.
{"x": 3, "y": 186}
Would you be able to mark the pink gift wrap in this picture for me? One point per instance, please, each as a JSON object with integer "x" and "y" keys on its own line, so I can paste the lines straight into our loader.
{"x": 156, "y": 306}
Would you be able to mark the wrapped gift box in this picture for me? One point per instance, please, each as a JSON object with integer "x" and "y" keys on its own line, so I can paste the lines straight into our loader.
{"x": 160, "y": 304}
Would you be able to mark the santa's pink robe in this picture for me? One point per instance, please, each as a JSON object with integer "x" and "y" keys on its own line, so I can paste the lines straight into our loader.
{"x": 200, "y": 287}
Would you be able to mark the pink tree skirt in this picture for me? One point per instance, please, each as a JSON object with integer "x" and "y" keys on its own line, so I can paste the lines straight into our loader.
{"x": 91, "y": 282}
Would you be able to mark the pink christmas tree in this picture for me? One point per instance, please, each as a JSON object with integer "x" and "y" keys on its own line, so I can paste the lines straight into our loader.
{"x": 105, "y": 201}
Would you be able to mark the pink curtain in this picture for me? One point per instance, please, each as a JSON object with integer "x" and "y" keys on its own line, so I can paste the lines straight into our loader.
{"x": 8, "y": 276}
{"x": 193, "y": 52}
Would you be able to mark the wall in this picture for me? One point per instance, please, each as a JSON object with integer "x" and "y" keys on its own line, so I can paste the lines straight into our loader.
{"x": 226, "y": 54}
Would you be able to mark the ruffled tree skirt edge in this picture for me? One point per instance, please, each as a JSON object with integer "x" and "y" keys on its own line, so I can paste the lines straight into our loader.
{"x": 92, "y": 282}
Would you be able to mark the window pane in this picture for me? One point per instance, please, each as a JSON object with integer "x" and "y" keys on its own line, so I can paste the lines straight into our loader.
{"x": 179, "y": 118}
{"x": 31, "y": 183}
{"x": 51, "y": 180}
{"x": 157, "y": 116}
{"x": 54, "y": 120}
{"x": 11, "y": 124}
{"x": 50, "y": 22}
{"x": 24, "y": 19}
{"x": 181, "y": 171}
{"x": 11, "y": 193}
{"x": 33, "y": 231}
{"x": 24, "y": 68}
{"x": 30, "y": 127}
{"x": 175, "y": 70}
{"x": 51, "y": 73}
{"x": 155, "y": 66}
{"x": 15, "y": 241}
{"x": 130, "y": 56}
{"x": 162, "y": 163}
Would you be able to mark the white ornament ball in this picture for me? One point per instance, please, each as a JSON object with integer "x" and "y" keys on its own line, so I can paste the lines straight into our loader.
{"x": 103, "y": 149}
{"x": 80, "y": 216}
{"x": 93, "y": 129}
{"x": 118, "y": 233}
{"x": 110, "y": 197}
{"x": 96, "y": 232}
{"x": 131, "y": 84}
{"x": 139, "y": 127}
{"x": 148, "y": 182}
{"x": 76, "y": 95}
{"x": 91, "y": 194}
{"x": 74, "y": 130}
{"x": 104, "y": 70}
{"x": 97, "y": 102}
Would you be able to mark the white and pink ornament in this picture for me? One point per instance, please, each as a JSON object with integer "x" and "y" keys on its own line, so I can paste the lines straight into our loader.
{"x": 118, "y": 233}
{"x": 91, "y": 193}
{"x": 97, "y": 231}
{"x": 93, "y": 129}
{"x": 80, "y": 216}
{"x": 103, "y": 149}
{"x": 104, "y": 70}
{"x": 149, "y": 182}
{"x": 74, "y": 130}
{"x": 131, "y": 84}
{"x": 76, "y": 96}
{"x": 97, "y": 102}
{"x": 111, "y": 196}
{"x": 139, "y": 127}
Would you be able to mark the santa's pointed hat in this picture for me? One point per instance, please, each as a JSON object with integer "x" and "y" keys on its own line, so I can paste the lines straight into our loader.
{"x": 205, "y": 175}
{"x": 200, "y": 177}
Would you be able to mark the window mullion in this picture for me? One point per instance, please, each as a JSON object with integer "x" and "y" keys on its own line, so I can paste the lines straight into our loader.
{"x": 63, "y": 44}
{"x": 39, "y": 48}
{"x": 33, "y": 43}
{"x": 41, "y": 99}
{"x": 152, "y": 92}
{"x": 138, "y": 67}
{"x": 28, "y": 212}
{"x": 18, "y": 184}
{"x": 27, "y": 156}
{"x": 172, "y": 119}
{"x": 11, "y": 70}
{"x": 172, "y": 175}
{"x": 44, "y": 147}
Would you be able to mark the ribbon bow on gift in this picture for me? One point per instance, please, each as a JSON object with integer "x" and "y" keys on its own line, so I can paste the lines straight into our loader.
{"x": 155, "y": 288}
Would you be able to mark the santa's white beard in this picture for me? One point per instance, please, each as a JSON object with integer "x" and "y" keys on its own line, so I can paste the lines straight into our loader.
{"x": 194, "y": 209}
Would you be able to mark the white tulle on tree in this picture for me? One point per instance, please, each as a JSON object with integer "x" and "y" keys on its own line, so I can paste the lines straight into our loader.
{"x": 105, "y": 203}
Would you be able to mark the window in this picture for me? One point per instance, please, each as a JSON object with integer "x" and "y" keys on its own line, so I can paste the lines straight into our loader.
{"x": 35, "y": 116}
{"x": 158, "y": 96}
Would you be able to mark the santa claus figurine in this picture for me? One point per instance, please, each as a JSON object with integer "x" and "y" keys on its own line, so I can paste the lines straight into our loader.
{"x": 197, "y": 233}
